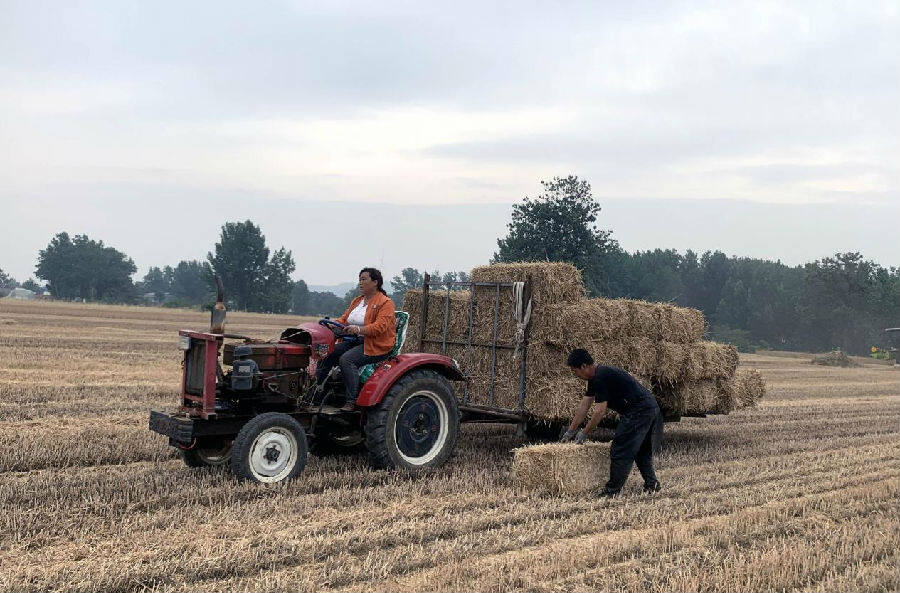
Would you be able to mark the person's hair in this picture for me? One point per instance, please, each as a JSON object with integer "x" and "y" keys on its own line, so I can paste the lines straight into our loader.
{"x": 579, "y": 357}
{"x": 375, "y": 274}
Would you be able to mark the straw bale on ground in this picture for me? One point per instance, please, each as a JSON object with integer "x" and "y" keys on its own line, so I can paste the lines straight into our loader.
{"x": 561, "y": 468}
{"x": 834, "y": 359}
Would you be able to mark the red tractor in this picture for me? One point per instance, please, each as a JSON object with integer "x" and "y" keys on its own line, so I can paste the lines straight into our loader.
{"x": 262, "y": 415}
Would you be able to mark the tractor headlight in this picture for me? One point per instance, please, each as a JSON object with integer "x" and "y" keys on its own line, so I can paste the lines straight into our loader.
{"x": 184, "y": 342}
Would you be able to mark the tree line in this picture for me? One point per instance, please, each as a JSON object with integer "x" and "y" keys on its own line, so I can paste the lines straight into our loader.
{"x": 842, "y": 301}
{"x": 255, "y": 277}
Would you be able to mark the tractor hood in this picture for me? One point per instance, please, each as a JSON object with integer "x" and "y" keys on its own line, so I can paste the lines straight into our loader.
{"x": 318, "y": 338}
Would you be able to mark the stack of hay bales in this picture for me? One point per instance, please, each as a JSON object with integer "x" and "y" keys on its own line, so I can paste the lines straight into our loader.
{"x": 657, "y": 342}
{"x": 561, "y": 468}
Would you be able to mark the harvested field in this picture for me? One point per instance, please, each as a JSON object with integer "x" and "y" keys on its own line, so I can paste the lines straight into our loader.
{"x": 797, "y": 493}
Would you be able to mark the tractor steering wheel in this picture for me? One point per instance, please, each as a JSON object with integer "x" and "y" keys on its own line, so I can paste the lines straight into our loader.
{"x": 336, "y": 327}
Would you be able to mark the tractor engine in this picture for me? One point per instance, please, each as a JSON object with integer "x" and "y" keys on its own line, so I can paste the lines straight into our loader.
{"x": 279, "y": 367}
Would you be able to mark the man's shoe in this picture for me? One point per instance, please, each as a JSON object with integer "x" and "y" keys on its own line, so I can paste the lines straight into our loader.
{"x": 651, "y": 487}
{"x": 607, "y": 493}
{"x": 349, "y": 407}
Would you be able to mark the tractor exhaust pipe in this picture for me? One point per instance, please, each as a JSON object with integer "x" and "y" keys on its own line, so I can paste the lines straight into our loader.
{"x": 217, "y": 319}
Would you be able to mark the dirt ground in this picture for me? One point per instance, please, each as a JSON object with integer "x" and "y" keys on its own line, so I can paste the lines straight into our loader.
{"x": 799, "y": 493}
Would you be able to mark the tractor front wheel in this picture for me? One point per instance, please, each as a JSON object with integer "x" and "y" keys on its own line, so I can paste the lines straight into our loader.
{"x": 270, "y": 448}
{"x": 415, "y": 426}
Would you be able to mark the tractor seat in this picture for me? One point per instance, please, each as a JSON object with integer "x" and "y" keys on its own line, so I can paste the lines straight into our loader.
{"x": 401, "y": 319}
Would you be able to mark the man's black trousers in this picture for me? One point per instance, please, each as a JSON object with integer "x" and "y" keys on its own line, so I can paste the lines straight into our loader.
{"x": 636, "y": 439}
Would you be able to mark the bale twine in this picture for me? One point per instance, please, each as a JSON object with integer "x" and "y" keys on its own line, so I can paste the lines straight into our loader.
{"x": 561, "y": 468}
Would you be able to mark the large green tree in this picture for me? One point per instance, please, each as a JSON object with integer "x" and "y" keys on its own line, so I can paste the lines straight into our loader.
{"x": 158, "y": 281}
{"x": 277, "y": 284}
{"x": 300, "y": 298}
{"x": 560, "y": 225}
{"x": 253, "y": 281}
{"x": 79, "y": 267}
{"x": 189, "y": 282}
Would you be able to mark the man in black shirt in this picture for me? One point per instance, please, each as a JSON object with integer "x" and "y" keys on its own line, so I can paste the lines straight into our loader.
{"x": 640, "y": 421}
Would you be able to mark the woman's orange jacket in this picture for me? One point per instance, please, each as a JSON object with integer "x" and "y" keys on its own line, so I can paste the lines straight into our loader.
{"x": 381, "y": 330}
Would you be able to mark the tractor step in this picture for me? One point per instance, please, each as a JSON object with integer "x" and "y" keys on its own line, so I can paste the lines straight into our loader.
{"x": 336, "y": 411}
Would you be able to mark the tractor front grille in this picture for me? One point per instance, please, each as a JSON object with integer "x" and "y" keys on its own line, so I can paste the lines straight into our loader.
{"x": 195, "y": 367}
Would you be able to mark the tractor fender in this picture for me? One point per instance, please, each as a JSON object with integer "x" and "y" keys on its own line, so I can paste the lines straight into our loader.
{"x": 388, "y": 373}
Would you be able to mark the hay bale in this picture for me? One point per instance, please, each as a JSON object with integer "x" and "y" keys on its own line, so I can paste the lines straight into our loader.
{"x": 591, "y": 319}
{"x": 617, "y": 319}
{"x": 834, "y": 359}
{"x": 749, "y": 388}
{"x": 457, "y": 322}
{"x": 681, "y": 325}
{"x": 551, "y": 282}
{"x": 561, "y": 468}
{"x": 719, "y": 360}
{"x": 708, "y": 396}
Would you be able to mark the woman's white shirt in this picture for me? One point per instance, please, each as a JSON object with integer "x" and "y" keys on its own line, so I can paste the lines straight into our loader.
{"x": 358, "y": 314}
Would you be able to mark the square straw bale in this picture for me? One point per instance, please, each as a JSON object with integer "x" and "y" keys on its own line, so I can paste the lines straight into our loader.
{"x": 681, "y": 325}
{"x": 719, "y": 360}
{"x": 749, "y": 388}
{"x": 561, "y": 468}
{"x": 708, "y": 396}
{"x": 641, "y": 318}
{"x": 589, "y": 319}
{"x": 552, "y": 282}
{"x": 457, "y": 322}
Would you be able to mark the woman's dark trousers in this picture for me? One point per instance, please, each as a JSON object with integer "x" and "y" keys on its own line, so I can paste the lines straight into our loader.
{"x": 351, "y": 358}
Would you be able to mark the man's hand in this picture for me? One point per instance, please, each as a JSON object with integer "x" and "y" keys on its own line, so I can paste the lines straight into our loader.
{"x": 567, "y": 436}
{"x": 580, "y": 437}
{"x": 353, "y": 330}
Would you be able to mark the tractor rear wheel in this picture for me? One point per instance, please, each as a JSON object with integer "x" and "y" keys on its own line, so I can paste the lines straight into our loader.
{"x": 215, "y": 456}
{"x": 270, "y": 448}
{"x": 415, "y": 426}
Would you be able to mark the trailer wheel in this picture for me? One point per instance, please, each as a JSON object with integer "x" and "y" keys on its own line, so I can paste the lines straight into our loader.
{"x": 270, "y": 448}
{"x": 207, "y": 456}
{"x": 415, "y": 426}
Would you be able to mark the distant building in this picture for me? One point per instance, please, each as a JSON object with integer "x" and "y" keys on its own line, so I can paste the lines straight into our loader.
{"x": 21, "y": 293}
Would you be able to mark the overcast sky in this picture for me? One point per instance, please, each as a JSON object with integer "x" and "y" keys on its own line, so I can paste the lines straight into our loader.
{"x": 150, "y": 124}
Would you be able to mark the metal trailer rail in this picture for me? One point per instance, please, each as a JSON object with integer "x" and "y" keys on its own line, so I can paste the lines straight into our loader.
{"x": 479, "y": 413}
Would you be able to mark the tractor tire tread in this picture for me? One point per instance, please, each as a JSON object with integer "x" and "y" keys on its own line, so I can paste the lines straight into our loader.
{"x": 248, "y": 433}
{"x": 377, "y": 419}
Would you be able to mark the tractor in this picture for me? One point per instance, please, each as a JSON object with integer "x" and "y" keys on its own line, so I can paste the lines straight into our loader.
{"x": 255, "y": 406}
{"x": 893, "y": 334}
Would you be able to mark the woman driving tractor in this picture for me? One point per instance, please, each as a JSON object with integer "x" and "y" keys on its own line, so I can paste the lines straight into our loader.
{"x": 371, "y": 317}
